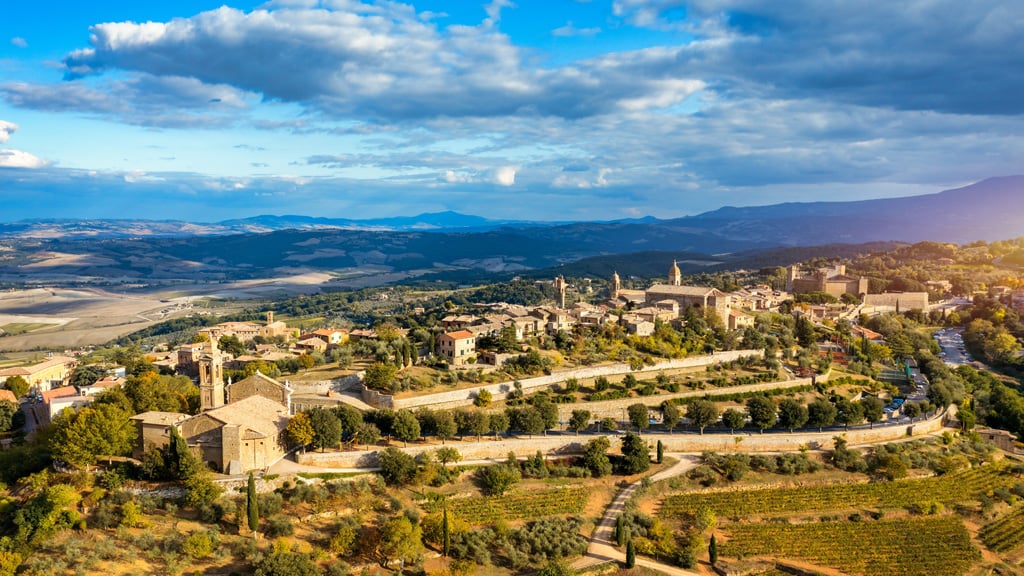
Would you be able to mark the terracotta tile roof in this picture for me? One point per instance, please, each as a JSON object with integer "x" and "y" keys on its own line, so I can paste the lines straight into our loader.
{"x": 59, "y": 393}
{"x": 259, "y": 416}
{"x": 459, "y": 334}
{"x": 160, "y": 418}
{"x": 8, "y": 396}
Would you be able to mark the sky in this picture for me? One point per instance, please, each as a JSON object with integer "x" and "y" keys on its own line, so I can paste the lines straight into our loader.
{"x": 508, "y": 109}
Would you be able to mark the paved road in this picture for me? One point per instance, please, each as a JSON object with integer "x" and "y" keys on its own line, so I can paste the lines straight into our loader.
{"x": 602, "y": 542}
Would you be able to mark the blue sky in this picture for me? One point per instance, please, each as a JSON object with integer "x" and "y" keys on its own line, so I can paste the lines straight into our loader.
{"x": 546, "y": 110}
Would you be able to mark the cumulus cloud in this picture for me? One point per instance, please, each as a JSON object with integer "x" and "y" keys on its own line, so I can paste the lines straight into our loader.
{"x": 6, "y": 129}
{"x": 356, "y": 60}
{"x": 505, "y": 176}
{"x": 10, "y": 158}
{"x": 930, "y": 55}
{"x": 17, "y": 159}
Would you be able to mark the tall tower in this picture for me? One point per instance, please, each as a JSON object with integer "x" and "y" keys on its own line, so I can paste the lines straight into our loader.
{"x": 270, "y": 317}
{"x": 211, "y": 378}
{"x": 560, "y": 288}
{"x": 616, "y": 285}
{"x": 675, "y": 277}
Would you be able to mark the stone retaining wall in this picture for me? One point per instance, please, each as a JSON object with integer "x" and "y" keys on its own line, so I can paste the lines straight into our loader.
{"x": 614, "y": 408}
{"x": 465, "y": 396}
{"x": 489, "y": 448}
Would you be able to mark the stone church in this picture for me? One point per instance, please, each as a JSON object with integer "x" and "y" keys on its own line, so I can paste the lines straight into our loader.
{"x": 240, "y": 426}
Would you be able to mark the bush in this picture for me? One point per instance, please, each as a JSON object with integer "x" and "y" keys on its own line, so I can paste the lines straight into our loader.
{"x": 200, "y": 544}
{"x": 498, "y": 479}
{"x": 279, "y": 526}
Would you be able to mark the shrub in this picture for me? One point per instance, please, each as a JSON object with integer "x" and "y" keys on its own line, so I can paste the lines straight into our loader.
{"x": 279, "y": 526}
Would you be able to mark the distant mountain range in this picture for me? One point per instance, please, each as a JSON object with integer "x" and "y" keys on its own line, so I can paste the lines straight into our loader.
{"x": 449, "y": 243}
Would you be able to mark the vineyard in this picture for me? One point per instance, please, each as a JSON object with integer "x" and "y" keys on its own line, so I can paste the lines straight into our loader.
{"x": 911, "y": 547}
{"x": 482, "y": 510}
{"x": 1006, "y": 533}
{"x": 951, "y": 488}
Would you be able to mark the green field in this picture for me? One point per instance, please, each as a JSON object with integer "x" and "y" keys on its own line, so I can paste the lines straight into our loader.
{"x": 909, "y": 547}
{"x": 15, "y": 328}
{"x": 948, "y": 489}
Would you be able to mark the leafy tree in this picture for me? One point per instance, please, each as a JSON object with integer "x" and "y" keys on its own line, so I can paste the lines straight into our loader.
{"x": 670, "y": 415}
{"x": 497, "y": 479}
{"x": 595, "y": 457}
{"x": 300, "y": 430}
{"x": 17, "y": 385}
{"x": 8, "y": 413}
{"x": 231, "y": 344}
{"x": 101, "y": 430}
{"x": 733, "y": 419}
{"x": 252, "y": 505}
{"x": 444, "y": 424}
{"x": 579, "y": 420}
{"x": 87, "y": 374}
{"x": 636, "y": 455}
{"x": 406, "y": 427}
{"x": 638, "y": 416}
{"x": 326, "y": 428}
{"x": 447, "y": 454}
{"x": 396, "y": 467}
{"x": 476, "y": 422}
{"x": 702, "y": 413}
{"x": 498, "y": 423}
{"x": 380, "y": 376}
{"x": 153, "y": 392}
{"x": 872, "y": 407}
{"x": 548, "y": 412}
{"x": 351, "y": 419}
{"x": 200, "y": 489}
{"x": 821, "y": 413}
{"x": 367, "y": 434}
{"x": 483, "y": 398}
{"x": 527, "y": 419}
{"x": 762, "y": 413}
{"x": 792, "y": 414}
{"x": 848, "y": 412}
{"x": 400, "y": 540}
{"x": 804, "y": 332}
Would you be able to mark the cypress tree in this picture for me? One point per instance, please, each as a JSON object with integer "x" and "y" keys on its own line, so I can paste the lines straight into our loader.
{"x": 713, "y": 551}
{"x": 252, "y": 507}
{"x": 661, "y": 451}
{"x": 620, "y": 531}
{"x": 630, "y": 554}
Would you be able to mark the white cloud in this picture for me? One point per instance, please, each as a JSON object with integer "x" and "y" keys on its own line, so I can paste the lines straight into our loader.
{"x": 17, "y": 159}
{"x": 6, "y": 129}
{"x": 505, "y": 176}
{"x": 19, "y": 42}
{"x": 570, "y": 30}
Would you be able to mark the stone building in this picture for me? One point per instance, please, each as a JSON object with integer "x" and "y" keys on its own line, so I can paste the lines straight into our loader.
{"x": 832, "y": 281}
{"x": 457, "y": 347}
{"x": 46, "y": 375}
{"x": 240, "y": 436}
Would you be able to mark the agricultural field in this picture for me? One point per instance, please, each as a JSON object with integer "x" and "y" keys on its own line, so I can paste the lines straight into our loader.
{"x": 522, "y": 505}
{"x": 957, "y": 487}
{"x": 1005, "y": 534}
{"x": 906, "y": 547}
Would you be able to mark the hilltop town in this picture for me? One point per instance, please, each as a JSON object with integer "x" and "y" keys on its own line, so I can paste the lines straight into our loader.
{"x": 499, "y": 408}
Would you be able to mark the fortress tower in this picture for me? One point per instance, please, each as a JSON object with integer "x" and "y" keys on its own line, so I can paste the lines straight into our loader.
{"x": 560, "y": 288}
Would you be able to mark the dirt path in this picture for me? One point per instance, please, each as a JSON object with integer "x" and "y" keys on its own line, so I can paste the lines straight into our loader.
{"x": 602, "y": 542}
